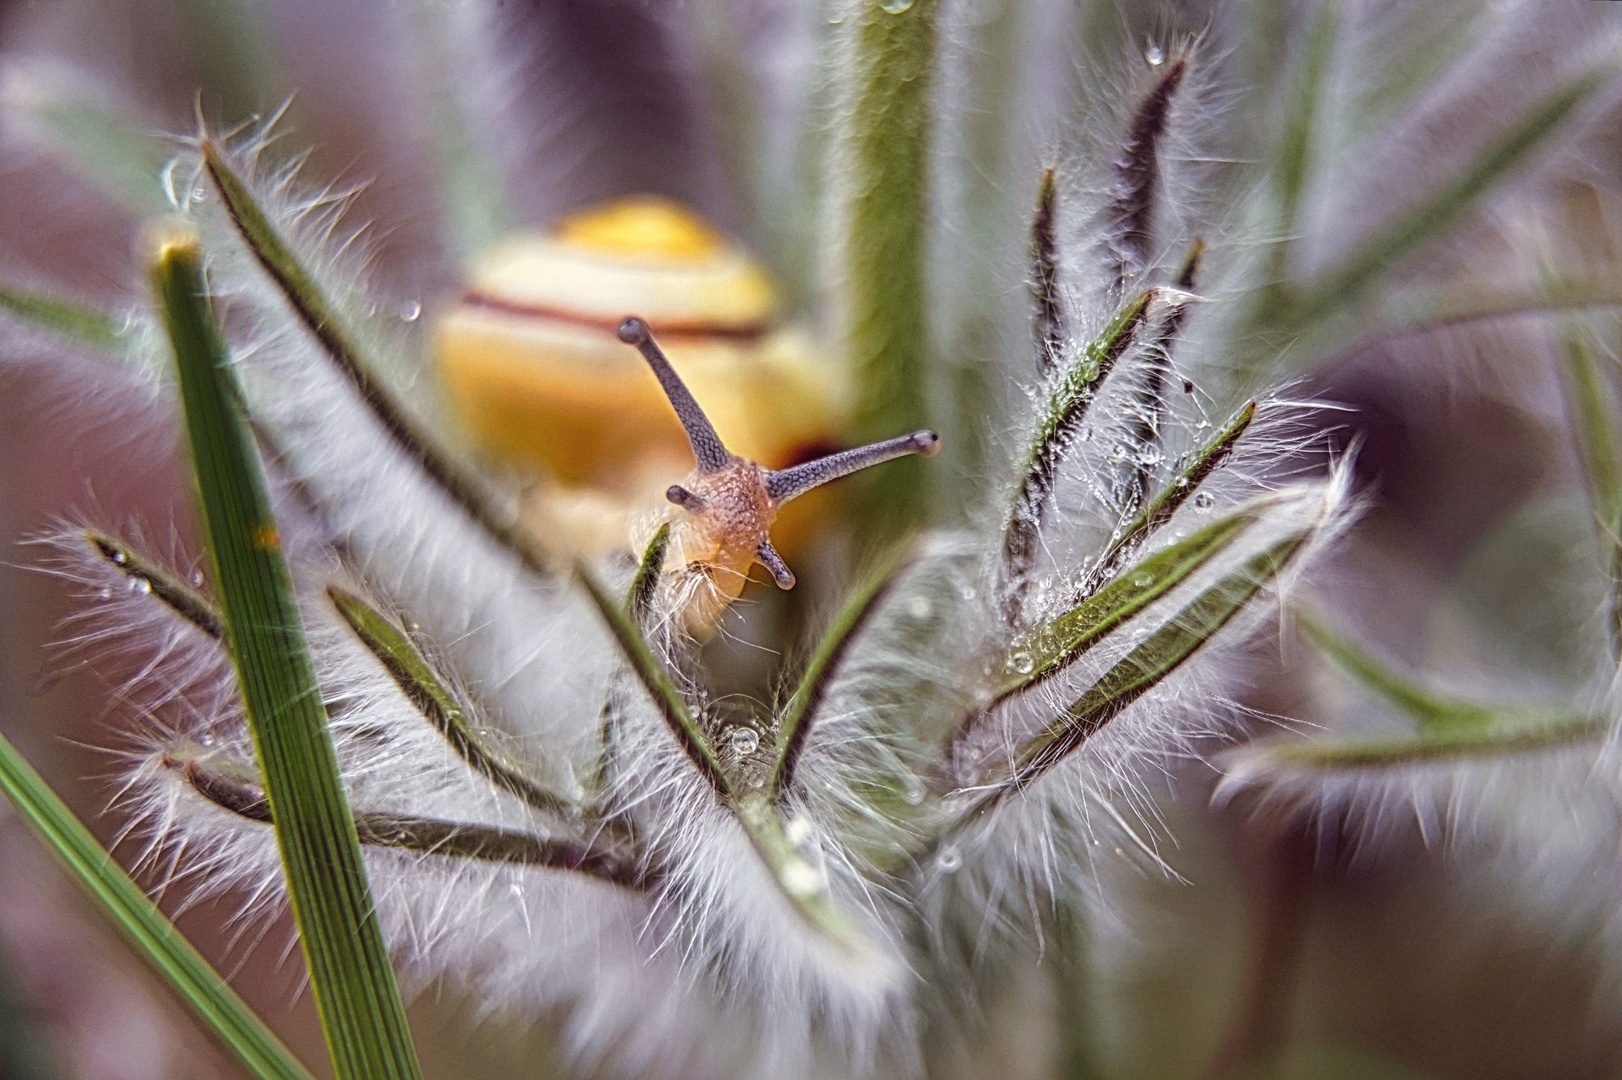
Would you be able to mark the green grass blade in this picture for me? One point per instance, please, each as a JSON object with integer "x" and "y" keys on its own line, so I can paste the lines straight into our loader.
{"x": 1208, "y": 460}
{"x": 1049, "y": 649}
{"x": 162, "y": 583}
{"x": 889, "y": 126}
{"x": 77, "y": 322}
{"x": 1594, "y": 422}
{"x": 416, "y": 679}
{"x": 646, "y": 581}
{"x": 354, "y": 986}
{"x": 1344, "y": 284}
{"x": 1432, "y": 712}
{"x": 324, "y": 322}
{"x": 802, "y": 702}
{"x": 1146, "y": 666}
{"x": 657, "y": 681}
{"x": 215, "y": 1005}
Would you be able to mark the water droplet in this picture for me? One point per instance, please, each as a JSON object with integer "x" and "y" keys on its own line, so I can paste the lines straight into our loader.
{"x": 410, "y": 311}
{"x": 920, "y": 608}
{"x": 1204, "y": 501}
{"x": 914, "y": 791}
{"x": 207, "y": 739}
{"x": 967, "y": 592}
{"x": 1117, "y": 454}
{"x": 199, "y": 195}
{"x": 140, "y": 585}
{"x": 105, "y": 594}
{"x": 800, "y": 878}
{"x": 1182, "y": 481}
{"x": 744, "y": 741}
{"x": 1143, "y": 580}
{"x": 1084, "y": 434}
{"x": 1150, "y": 458}
{"x": 948, "y": 860}
{"x": 1154, "y": 54}
{"x": 896, "y": 7}
{"x": 120, "y": 558}
{"x": 196, "y": 577}
{"x": 1023, "y": 662}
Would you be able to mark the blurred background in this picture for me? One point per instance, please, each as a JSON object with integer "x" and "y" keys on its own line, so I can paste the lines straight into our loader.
{"x": 1455, "y": 928}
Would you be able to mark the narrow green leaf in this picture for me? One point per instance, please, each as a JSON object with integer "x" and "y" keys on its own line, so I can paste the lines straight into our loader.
{"x": 439, "y": 706}
{"x": 476, "y": 208}
{"x": 1418, "y": 310}
{"x": 1050, "y": 323}
{"x": 323, "y": 321}
{"x": 801, "y": 707}
{"x": 1430, "y": 219}
{"x": 1207, "y": 461}
{"x": 109, "y": 149}
{"x": 888, "y": 125}
{"x": 1301, "y": 125}
{"x": 77, "y": 322}
{"x": 1049, "y": 649}
{"x": 1065, "y": 408}
{"x": 646, "y": 581}
{"x": 242, "y": 795}
{"x": 1432, "y": 712}
{"x": 163, "y": 583}
{"x": 1150, "y": 663}
{"x": 353, "y": 984}
{"x": 215, "y": 1005}
{"x": 1594, "y": 422}
{"x": 657, "y": 681}
{"x": 1525, "y": 733}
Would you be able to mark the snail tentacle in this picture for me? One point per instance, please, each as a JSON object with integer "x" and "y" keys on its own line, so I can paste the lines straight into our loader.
{"x": 785, "y": 484}
{"x": 712, "y": 456}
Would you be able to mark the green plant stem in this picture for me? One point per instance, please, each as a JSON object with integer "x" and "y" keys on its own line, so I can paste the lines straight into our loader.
{"x": 353, "y": 984}
{"x": 216, "y": 1006}
{"x": 889, "y": 126}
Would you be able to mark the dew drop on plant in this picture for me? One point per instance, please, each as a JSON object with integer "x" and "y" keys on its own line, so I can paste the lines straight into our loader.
{"x": 105, "y": 594}
{"x": 1023, "y": 662}
{"x": 410, "y": 311}
{"x": 120, "y": 558}
{"x": 1154, "y": 54}
{"x": 1143, "y": 580}
{"x": 1182, "y": 481}
{"x": 948, "y": 860}
{"x": 896, "y": 7}
{"x": 913, "y": 792}
{"x": 800, "y": 878}
{"x": 744, "y": 741}
{"x": 1150, "y": 457}
{"x": 1084, "y": 434}
{"x": 196, "y": 577}
{"x": 1204, "y": 501}
{"x": 140, "y": 585}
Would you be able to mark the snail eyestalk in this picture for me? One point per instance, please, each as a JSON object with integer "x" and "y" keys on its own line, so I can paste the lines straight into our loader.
{"x": 727, "y": 506}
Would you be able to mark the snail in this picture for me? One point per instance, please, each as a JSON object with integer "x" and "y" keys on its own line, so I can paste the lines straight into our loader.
{"x": 532, "y": 364}
{"x": 531, "y": 367}
{"x": 727, "y": 505}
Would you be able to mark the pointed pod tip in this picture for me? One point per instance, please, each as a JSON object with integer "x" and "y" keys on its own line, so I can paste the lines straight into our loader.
{"x": 633, "y": 331}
